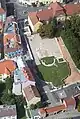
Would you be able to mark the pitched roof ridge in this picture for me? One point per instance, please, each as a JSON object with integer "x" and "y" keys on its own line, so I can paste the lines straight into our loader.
{"x": 56, "y": 5}
{"x": 2, "y": 10}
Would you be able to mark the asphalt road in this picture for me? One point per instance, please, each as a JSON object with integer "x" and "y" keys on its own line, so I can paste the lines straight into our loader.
{"x": 19, "y": 9}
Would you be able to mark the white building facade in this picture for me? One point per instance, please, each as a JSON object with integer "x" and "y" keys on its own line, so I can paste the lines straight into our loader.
{"x": 29, "y": 2}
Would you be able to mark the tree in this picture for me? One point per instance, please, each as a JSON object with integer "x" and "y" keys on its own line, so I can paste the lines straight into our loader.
{"x": 39, "y": 105}
{"x": 48, "y": 29}
{"x": 32, "y": 106}
{"x": 78, "y": 108}
{"x": 9, "y": 84}
{"x": 7, "y": 98}
{"x": 71, "y": 35}
{"x": 41, "y": 30}
{"x": 20, "y": 100}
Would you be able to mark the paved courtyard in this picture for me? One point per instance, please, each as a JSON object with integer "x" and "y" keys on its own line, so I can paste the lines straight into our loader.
{"x": 44, "y": 47}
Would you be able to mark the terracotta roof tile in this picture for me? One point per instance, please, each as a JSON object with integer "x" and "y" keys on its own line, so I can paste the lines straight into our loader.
{"x": 70, "y": 102}
{"x": 7, "y": 66}
{"x": 55, "y": 109}
{"x": 27, "y": 73}
{"x": 31, "y": 92}
{"x": 52, "y": 109}
{"x": 1, "y": 25}
{"x": 45, "y": 14}
{"x": 2, "y": 11}
{"x": 11, "y": 36}
{"x": 33, "y": 17}
{"x": 15, "y": 38}
{"x": 56, "y": 6}
{"x": 57, "y": 9}
{"x": 72, "y": 9}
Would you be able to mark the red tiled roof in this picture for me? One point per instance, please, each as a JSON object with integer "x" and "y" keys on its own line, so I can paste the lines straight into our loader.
{"x": 55, "y": 109}
{"x": 56, "y": 6}
{"x": 2, "y": 11}
{"x": 27, "y": 73}
{"x": 70, "y": 102}
{"x": 30, "y": 92}
{"x": 33, "y": 17}
{"x": 57, "y": 9}
{"x": 10, "y": 36}
{"x": 54, "y": 9}
{"x": 1, "y": 25}
{"x": 52, "y": 109}
{"x": 72, "y": 9}
{"x": 7, "y": 66}
{"x": 45, "y": 14}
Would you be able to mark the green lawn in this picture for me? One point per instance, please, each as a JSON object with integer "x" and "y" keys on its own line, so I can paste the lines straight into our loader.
{"x": 54, "y": 74}
{"x": 48, "y": 60}
{"x": 24, "y": 118}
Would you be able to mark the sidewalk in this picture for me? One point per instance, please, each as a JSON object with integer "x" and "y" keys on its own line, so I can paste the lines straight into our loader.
{"x": 75, "y": 75}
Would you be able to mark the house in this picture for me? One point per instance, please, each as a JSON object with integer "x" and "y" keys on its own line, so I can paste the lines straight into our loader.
{"x": 22, "y": 79}
{"x": 43, "y": 112}
{"x": 27, "y": 31}
{"x": 6, "y": 68}
{"x": 31, "y": 95}
{"x": 2, "y": 15}
{"x": 8, "y": 112}
{"x": 12, "y": 46}
{"x": 17, "y": 88}
{"x": 30, "y": 2}
{"x": 72, "y": 9}
{"x": 67, "y": 96}
{"x": 1, "y": 27}
{"x": 2, "y": 19}
{"x": 12, "y": 40}
{"x": 57, "y": 10}
{"x": 33, "y": 21}
{"x": 36, "y": 19}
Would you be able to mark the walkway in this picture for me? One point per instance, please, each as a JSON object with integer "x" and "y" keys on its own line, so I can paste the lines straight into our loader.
{"x": 49, "y": 65}
{"x": 75, "y": 76}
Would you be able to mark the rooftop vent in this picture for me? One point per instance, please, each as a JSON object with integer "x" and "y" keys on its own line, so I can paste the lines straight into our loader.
{"x": 40, "y": 9}
{"x": 49, "y": 7}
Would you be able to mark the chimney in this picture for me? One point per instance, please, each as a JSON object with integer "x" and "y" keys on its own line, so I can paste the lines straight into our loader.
{"x": 40, "y": 9}
{"x": 49, "y": 8}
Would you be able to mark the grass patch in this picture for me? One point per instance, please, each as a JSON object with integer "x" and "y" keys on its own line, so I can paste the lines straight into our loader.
{"x": 54, "y": 74}
{"x": 48, "y": 60}
{"x": 24, "y": 118}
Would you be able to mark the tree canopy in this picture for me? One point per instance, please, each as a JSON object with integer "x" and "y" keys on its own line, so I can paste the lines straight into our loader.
{"x": 7, "y": 97}
{"x": 70, "y": 32}
{"x": 71, "y": 35}
{"x": 48, "y": 29}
